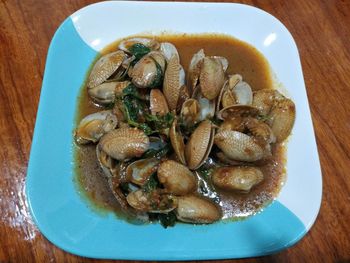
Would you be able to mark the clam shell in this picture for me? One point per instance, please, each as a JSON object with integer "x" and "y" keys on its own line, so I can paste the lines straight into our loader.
{"x": 124, "y": 143}
{"x": 199, "y": 145}
{"x": 197, "y": 210}
{"x": 223, "y": 61}
{"x": 168, "y": 50}
{"x": 177, "y": 142}
{"x": 139, "y": 171}
{"x": 260, "y": 130}
{"x": 174, "y": 78}
{"x": 148, "y": 42}
{"x": 264, "y": 99}
{"x": 281, "y": 119}
{"x": 211, "y": 78}
{"x": 159, "y": 58}
{"x": 151, "y": 202}
{"x": 184, "y": 94}
{"x": 207, "y": 107}
{"x": 238, "y": 178}
{"x": 103, "y": 93}
{"x": 144, "y": 72}
{"x": 158, "y": 104}
{"x": 92, "y": 127}
{"x": 239, "y": 146}
{"x": 190, "y": 111}
{"x": 243, "y": 93}
{"x": 176, "y": 178}
{"x": 237, "y": 111}
{"x": 105, "y": 67}
{"x": 194, "y": 69}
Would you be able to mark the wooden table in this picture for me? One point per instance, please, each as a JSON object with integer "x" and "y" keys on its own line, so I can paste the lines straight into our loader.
{"x": 322, "y": 32}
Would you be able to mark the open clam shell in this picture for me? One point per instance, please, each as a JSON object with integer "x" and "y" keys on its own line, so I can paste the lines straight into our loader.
{"x": 207, "y": 107}
{"x": 154, "y": 202}
{"x": 126, "y": 44}
{"x": 190, "y": 112}
{"x": 103, "y": 93}
{"x": 139, "y": 171}
{"x": 194, "y": 69}
{"x": 105, "y": 67}
{"x": 177, "y": 141}
{"x": 168, "y": 50}
{"x": 264, "y": 99}
{"x": 199, "y": 145}
{"x": 237, "y": 111}
{"x": 92, "y": 127}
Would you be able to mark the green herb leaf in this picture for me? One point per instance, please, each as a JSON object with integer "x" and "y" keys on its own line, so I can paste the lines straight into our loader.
{"x": 151, "y": 184}
{"x": 139, "y": 50}
{"x": 168, "y": 219}
{"x": 160, "y": 122}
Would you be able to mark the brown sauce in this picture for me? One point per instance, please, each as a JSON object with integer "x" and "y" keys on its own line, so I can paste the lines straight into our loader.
{"x": 243, "y": 59}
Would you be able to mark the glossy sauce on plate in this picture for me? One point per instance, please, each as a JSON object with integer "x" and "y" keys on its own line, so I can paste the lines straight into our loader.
{"x": 244, "y": 60}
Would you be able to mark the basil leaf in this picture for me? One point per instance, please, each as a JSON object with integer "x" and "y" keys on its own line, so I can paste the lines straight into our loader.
{"x": 168, "y": 219}
{"x": 139, "y": 50}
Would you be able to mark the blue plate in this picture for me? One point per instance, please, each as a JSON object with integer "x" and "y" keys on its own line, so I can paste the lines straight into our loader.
{"x": 68, "y": 222}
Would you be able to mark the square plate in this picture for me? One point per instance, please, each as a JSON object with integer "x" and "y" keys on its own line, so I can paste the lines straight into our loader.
{"x": 67, "y": 221}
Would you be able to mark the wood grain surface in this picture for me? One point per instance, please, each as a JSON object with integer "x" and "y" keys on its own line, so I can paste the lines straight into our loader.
{"x": 322, "y": 32}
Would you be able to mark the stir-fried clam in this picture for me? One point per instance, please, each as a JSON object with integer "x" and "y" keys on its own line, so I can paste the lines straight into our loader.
{"x": 162, "y": 133}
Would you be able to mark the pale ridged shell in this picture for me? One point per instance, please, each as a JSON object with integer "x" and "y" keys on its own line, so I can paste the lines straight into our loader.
{"x": 139, "y": 171}
{"x": 211, "y": 78}
{"x": 92, "y": 127}
{"x": 207, "y": 107}
{"x": 239, "y": 146}
{"x": 223, "y": 61}
{"x": 147, "y": 202}
{"x": 176, "y": 178}
{"x": 264, "y": 99}
{"x": 194, "y": 69}
{"x": 281, "y": 119}
{"x": 190, "y": 111}
{"x": 260, "y": 130}
{"x": 237, "y": 111}
{"x": 197, "y": 210}
{"x": 124, "y": 143}
{"x": 184, "y": 94}
{"x": 173, "y": 80}
{"x": 240, "y": 178}
{"x": 168, "y": 50}
{"x": 243, "y": 93}
{"x": 148, "y": 42}
{"x": 103, "y": 93}
{"x": 199, "y": 145}
{"x": 105, "y": 67}
{"x": 158, "y": 104}
{"x": 177, "y": 142}
{"x": 144, "y": 72}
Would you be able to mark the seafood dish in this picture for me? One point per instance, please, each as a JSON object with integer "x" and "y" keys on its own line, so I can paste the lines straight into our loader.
{"x": 187, "y": 128}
